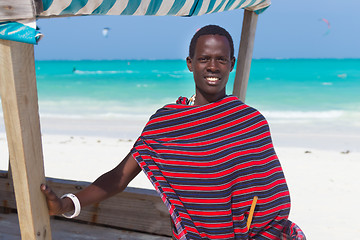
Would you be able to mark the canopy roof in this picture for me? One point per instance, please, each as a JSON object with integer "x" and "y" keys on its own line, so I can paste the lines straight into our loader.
{"x": 22, "y": 27}
{"x": 147, "y": 7}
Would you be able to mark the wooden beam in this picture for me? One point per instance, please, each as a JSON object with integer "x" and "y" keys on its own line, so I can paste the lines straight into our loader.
{"x": 20, "y": 107}
{"x": 18, "y": 9}
{"x": 70, "y": 230}
{"x": 245, "y": 54}
{"x": 134, "y": 209}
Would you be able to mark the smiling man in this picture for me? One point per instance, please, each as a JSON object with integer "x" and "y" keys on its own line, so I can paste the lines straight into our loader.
{"x": 211, "y": 59}
{"x": 208, "y": 158}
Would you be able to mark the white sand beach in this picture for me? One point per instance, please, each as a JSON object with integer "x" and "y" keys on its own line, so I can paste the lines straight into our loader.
{"x": 320, "y": 162}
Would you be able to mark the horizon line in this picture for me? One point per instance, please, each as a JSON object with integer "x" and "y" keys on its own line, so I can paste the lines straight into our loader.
{"x": 183, "y": 59}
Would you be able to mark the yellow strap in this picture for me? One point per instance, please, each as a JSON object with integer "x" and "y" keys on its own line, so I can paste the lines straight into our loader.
{"x": 251, "y": 213}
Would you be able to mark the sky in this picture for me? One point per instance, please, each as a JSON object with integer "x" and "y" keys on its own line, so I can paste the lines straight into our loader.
{"x": 287, "y": 29}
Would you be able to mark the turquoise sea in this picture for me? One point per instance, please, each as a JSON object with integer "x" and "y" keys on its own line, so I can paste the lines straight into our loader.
{"x": 284, "y": 90}
{"x": 281, "y": 89}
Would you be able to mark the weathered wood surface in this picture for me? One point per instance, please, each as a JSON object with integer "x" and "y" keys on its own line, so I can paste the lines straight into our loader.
{"x": 245, "y": 54}
{"x": 70, "y": 230}
{"x": 134, "y": 209}
{"x": 20, "y": 108}
{"x": 19, "y": 9}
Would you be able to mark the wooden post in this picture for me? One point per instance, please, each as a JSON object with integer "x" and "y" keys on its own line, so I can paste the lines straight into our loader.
{"x": 19, "y": 9}
{"x": 20, "y": 106}
{"x": 245, "y": 54}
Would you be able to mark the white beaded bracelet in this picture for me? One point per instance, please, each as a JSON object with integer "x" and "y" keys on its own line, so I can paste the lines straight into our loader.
{"x": 76, "y": 202}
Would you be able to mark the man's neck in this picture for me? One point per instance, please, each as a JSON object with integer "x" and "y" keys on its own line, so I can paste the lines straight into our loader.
{"x": 202, "y": 99}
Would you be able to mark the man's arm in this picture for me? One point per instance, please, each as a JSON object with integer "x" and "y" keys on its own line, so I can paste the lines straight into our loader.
{"x": 104, "y": 187}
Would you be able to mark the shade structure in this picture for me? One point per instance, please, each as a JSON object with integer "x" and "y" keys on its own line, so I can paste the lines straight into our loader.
{"x": 25, "y": 30}
{"x": 147, "y": 7}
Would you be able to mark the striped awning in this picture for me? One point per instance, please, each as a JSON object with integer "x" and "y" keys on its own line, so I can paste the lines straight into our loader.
{"x": 22, "y": 31}
{"x": 147, "y": 7}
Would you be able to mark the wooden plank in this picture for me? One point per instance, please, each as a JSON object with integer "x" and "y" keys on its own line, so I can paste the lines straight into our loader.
{"x": 17, "y": 9}
{"x": 20, "y": 108}
{"x": 134, "y": 209}
{"x": 9, "y": 230}
{"x": 245, "y": 54}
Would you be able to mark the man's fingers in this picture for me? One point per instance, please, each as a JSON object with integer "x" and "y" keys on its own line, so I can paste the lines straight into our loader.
{"x": 53, "y": 202}
{"x": 50, "y": 195}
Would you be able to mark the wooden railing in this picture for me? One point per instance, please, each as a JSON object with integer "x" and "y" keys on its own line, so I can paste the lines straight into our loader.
{"x": 134, "y": 209}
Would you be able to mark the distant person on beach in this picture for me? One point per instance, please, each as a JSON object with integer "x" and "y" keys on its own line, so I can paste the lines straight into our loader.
{"x": 208, "y": 157}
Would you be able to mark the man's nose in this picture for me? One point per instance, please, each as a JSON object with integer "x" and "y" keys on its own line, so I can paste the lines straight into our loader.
{"x": 213, "y": 65}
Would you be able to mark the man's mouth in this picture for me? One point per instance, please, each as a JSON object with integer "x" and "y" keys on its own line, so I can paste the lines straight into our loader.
{"x": 212, "y": 80}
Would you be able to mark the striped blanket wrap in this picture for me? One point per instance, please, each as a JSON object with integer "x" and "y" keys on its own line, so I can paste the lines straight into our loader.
{"x": 207, "y": 163}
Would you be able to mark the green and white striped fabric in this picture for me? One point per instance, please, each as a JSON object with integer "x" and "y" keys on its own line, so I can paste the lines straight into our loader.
{"x": 25, "y": 30}
{"x": 147, "y": 7}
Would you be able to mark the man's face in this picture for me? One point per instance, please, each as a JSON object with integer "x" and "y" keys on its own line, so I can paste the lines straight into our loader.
{"x": 211, "y": 66}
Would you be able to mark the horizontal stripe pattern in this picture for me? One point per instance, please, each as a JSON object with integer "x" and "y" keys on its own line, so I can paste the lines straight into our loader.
{"x": 147, "y": 7}
{"x": 22, "y": 33}
{"x": 208, "y": 162}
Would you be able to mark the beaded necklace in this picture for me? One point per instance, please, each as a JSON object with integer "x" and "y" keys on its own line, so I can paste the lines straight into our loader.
{"x": 192, "y": 100}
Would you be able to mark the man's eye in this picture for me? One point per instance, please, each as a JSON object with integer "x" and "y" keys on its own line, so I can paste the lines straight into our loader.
{"x": 203, "y": 59}
{"x": 223, "y": 60}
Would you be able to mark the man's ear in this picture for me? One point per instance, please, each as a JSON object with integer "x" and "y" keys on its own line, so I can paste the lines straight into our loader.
{"x": 189, "y": 63}
{"x": 233, "y": 59}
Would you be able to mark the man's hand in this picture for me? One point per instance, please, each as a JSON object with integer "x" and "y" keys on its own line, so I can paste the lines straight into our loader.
{"x": 54, "y": 203}
{"x": 104, "y": 187}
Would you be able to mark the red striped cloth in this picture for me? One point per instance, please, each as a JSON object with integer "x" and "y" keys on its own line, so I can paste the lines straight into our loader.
{"x": 207, "y": 163}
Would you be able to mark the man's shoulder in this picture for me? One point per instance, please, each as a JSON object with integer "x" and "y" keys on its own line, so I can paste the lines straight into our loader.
{"x": 246, "y": 107}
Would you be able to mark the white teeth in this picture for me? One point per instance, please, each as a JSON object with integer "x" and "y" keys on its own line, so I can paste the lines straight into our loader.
{"x": 212, "y": 79}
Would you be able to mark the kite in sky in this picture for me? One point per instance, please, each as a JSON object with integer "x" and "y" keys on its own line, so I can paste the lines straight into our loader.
{"x": 105, "y": 32}
{"x": 328, "y": 25}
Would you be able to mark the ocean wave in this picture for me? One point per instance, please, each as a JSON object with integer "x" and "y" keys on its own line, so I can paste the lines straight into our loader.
{"x": 332, "y": 114}
{"x": 171, "y": 72}
{"x": 175, "y": 76}
{"x": 327, "y": 83}
{"x": 97, "y": 116}
{"x": 274, "y": 115}
{"x": 103, "y": 72}
{"x": 89, "y": 108}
